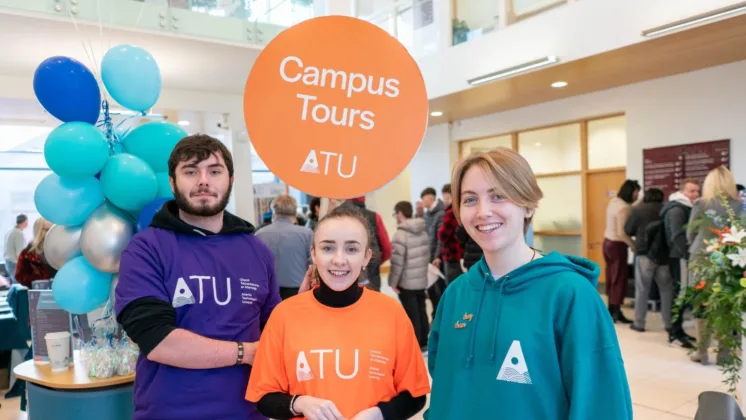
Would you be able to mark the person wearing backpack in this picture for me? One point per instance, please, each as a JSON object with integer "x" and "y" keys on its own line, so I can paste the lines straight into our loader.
{"x": 646, "y": 226}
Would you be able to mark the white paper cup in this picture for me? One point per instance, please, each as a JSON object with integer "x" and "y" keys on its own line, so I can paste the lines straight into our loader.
{"x": 58, "y": 348}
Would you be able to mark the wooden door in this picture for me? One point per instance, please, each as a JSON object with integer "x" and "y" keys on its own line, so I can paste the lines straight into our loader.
{"x": 601, "y": 187}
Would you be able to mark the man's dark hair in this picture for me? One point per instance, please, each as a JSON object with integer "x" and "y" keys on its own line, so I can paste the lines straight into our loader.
{"x": 740, "y": 187}
{"x": 446, "y": 189}
{"x": 201, "y": 147}
{"x": 405, "y": 207}
{"x": 428, "y": 191}
{"x": 653, "y": 195}
{"x": 21, "y": 218}
{"x": 628, "y": 189}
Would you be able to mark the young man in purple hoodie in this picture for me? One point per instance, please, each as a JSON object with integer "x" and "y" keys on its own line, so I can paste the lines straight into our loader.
{"x": 194, "y": 291}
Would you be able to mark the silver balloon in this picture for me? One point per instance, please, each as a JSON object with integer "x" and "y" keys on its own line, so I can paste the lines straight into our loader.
{"x": 62, "y": 244}
{"x": 105, "y": 235}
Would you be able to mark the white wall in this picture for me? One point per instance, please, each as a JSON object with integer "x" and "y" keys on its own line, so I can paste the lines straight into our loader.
{"x": 431, "y": 166}
{"x": 704, "y": 105}
{"x": 580, "y": 29}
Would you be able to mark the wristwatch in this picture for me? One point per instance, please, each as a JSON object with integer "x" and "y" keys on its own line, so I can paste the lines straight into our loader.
{"x": 239, "y": 359}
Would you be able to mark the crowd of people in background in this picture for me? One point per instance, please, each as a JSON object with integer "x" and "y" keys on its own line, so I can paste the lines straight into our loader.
{"x": 25, "y": 262}
{"x": 664, "y": 237}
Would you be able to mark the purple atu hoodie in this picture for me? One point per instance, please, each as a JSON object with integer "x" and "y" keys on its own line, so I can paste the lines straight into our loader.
{"x": 222, "y": 286}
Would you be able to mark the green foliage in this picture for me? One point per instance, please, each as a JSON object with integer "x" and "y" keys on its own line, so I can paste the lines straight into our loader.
{"x": 719, "y": 286}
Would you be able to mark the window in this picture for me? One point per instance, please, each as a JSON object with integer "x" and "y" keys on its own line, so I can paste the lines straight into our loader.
{"x": 552, "y": 150}
{"x": 562, "y": 206}
{"x": 607, "y": 143}
{"x": 482, "y": 145}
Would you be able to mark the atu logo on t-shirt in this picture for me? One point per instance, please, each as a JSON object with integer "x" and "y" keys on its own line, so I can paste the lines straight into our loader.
{"x": 303, "y": 369}
{"x": 183, "y": 294}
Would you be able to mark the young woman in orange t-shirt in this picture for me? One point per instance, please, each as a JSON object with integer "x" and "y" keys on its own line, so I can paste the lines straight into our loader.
{"x": 340, "y": 351}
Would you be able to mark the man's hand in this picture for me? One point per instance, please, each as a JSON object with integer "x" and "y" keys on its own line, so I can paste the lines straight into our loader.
{"x": 436, "y": 262}
{"x": 373, "y": 413}
{"x": 314, "y": 408}
{"x": 249, "y": 352}
{"x": 307, "y": 283}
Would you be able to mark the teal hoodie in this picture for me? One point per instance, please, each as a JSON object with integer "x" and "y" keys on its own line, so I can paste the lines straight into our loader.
{"x": 537, "y": 343}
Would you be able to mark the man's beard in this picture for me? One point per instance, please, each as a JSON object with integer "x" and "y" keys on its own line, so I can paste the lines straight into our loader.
{"x": 202, "y": 210}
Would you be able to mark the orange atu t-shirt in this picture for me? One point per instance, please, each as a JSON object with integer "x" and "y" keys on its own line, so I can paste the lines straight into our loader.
{"x": 355, "y": 356}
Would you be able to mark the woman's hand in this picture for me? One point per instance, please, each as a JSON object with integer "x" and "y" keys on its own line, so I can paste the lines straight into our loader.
{"x": 314, "y": 408}
{"x": 307, "y": 283}
{"x": 373, "y": 413}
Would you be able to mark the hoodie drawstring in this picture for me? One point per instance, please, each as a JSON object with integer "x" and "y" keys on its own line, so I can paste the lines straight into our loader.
{"x": 470, "y": 356}
{"x": 497, "y": 318}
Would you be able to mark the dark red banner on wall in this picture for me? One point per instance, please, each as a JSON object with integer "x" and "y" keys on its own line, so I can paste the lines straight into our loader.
{"x": 666, "y": 167}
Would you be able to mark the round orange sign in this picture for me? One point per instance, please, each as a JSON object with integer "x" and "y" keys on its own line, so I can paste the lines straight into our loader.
{"x": 335, "y": 107}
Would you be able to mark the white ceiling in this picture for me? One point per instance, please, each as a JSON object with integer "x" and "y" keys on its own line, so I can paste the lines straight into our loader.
{"x": 185, "y": 63}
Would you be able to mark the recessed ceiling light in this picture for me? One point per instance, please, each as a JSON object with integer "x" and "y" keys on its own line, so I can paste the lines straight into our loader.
{"x": 436, "y": 114}
{"x": 183, "y": 123}
{"x": 538, "y": 144}
{"x": 559, "y": 84}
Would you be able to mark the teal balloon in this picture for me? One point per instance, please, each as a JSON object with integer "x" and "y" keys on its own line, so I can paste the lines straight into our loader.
{"x": 164, "y": 185}
{"x": 128, "y": 182}
{"x": 76, "y": 150}
{"x": 79, "y": 288}
{"x": 153, "y": 142}
{"x": 131, "y": 77}
{"x": 67, "y": 201}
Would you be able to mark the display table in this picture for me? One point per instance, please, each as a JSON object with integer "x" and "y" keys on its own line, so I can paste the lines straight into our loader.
{"x": 72, "y": 395}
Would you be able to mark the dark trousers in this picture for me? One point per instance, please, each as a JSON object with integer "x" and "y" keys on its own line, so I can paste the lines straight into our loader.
{"x": 674, "y": 265}
{"x": 615, "y": 256}
{"x": 452, "y": 270}
{"x": 288, "y": 292}
{"x": 413, "y": 302}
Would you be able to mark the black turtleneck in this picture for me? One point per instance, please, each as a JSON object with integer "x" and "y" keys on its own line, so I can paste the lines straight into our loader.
{"x": 276, "y": 405}
{"x": 333, "y": 299}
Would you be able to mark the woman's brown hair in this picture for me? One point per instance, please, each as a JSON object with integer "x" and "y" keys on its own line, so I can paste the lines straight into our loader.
{"x": 510, "y": 175}
{"x": 342, "y": 213}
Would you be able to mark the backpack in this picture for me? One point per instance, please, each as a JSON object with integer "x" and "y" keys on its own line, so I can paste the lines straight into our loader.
{"x": 657, "y": 244}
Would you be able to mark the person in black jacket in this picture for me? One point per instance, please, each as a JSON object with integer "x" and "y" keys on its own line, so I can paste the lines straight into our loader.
{"x": 675, "y": 218}
{"x": 472, "y": 252}
{"x": 647, "y": 267}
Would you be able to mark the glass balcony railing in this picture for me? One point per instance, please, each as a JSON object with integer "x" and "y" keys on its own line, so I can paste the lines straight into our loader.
{"x": 475, "y": 18}
{"x": 254, "y": 22}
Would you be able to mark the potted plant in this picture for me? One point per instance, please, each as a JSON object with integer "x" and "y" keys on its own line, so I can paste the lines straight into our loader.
{"x": 719, "y": 292}
{"x": 460, "y": 31}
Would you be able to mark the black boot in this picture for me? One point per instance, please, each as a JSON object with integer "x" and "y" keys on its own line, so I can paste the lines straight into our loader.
{"x": 618, "y": 315}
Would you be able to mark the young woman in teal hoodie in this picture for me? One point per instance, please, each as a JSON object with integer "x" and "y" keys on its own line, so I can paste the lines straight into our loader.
{"x": 520, "y": 335}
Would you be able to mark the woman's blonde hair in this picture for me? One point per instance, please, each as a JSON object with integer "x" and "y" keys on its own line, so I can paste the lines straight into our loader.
{"x": 508, "y": 172}
{"x": 41, "y": 227}
{"x": 719, "y": 179}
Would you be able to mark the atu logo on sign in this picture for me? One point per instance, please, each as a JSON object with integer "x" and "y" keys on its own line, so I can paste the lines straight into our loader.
{"x": 335, "y": 107}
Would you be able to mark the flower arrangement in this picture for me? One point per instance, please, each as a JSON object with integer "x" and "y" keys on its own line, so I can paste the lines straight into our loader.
{"x": 719, "y": 293}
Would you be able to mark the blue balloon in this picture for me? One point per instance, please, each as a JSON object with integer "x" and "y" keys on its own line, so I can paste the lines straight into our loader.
{"x": 67, "y": 90}
{"x": 67, "y": 201}
{"x": 164, "y": 185}
{"x": 76, "y": 150}
{"x": 153, "y": 142}
{"x": 79, "y": 288}
{"x": 147, "y": 213}
{"x": 131, "y": 76}
{"x": 128, "y": 182}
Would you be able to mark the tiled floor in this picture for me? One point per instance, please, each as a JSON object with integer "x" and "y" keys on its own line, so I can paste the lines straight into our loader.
{"x": 663, "y": 382}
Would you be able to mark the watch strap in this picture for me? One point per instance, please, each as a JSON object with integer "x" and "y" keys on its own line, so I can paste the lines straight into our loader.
{"x": 239, "y": 359}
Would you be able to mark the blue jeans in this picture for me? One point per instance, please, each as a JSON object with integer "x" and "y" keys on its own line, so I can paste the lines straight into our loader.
{"x": 10, "y": 267}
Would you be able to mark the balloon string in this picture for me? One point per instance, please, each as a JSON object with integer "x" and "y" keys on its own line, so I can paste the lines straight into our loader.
{"x": 113, "y": 138}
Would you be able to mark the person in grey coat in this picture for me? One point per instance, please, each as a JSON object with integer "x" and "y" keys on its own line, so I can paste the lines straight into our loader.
{"x": 435, "y": 210}
{"x": 409, "y": 264}
{"x": 710, "y": 207}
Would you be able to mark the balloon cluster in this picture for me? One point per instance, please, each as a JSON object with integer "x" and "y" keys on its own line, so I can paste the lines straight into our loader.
{"x": 102, "y": 178}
